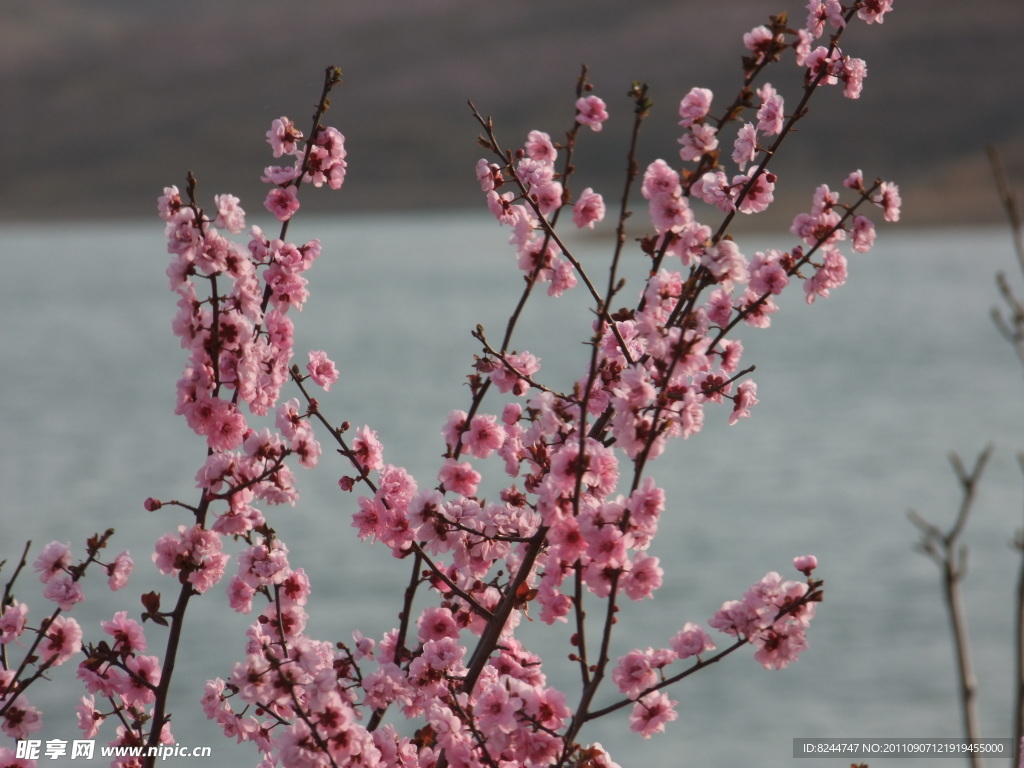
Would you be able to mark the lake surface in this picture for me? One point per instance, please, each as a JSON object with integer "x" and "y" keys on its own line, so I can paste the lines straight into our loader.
{"x": 861, "y": 398}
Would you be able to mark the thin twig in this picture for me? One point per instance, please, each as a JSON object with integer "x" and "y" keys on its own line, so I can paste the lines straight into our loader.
{"x": 951, "y": 556}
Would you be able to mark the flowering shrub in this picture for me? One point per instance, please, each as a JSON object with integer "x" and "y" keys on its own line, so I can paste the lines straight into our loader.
{"x": 568, "y": 534}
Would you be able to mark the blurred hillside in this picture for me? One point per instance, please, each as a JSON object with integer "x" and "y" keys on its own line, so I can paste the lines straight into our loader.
{"x": 106, "y": 102}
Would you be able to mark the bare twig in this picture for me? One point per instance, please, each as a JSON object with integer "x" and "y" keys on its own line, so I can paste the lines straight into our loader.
{"x": 1012, "y": 330}
{"x": 951, "y": 556}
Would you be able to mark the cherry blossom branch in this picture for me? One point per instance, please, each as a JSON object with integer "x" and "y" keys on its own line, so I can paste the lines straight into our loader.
{"x": 548, "y": 226}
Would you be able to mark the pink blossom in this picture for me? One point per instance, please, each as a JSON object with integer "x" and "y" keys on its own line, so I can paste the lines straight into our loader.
{"x": 743, "y": 401}
{"x": 736, "y": 617}
{"x": 669, "y": 213}
{"x": 89, "y": 719}
{"x": 830, "y": 274}
{"x": 283, "y": 136}
{"x": 567, "y": 539}
{"x": 872, "y": 11}
{"x": 760, "y": 194}
{"x": 725, "y": 262}
{"x": 771, "y": 114}
{"x": 489, "y": 175}
{"x": 12, "y": 624}
{"x": 695, "y": 106}
{"x": 435, "y": 623}
{"x": 816, "y": 17}
{"x": 767, "y": 275}
{"x": 745, "y": 146}
{"x": 714, "y": 189}
{"x": 230, "y": 215}
{"x": 535, "y": 173}
{"x": 282, "y": 176}
{"x": 660, "y": 178}
{"x": 54, "y": 559}
{"x": 691, "y": 640}
{"x": 261, "y": 565}
{"x": 64, "y": 591}
{"x": 539, "y": 147}
{"x": 295, "y": 588}
{"x": 169, "y": 203}
{"x": 855, "y": 181}
{"x": 698, "y": 141}
{"x": 643, "y": 577}
{"x": 496, "y": 709}
{"x": 226, "y": 428}
{"x": 282, "y": 202}
{"x": 502, "y": 208}
{"x": 506, "y": 380}
{"x": 119, "y": 571}
{"x": 127, "y": 633}
{"x": 326, "y": 161}
{"x": 588, "y": 210}
{"x": 651, "y": 713}
{"x": 548, "y": 197}
{"x": 719, "y": 306}
{"x": 778, "y": 648}
{"x": 834, "y": 11}
{"x": 852, "y": 73}
{"x": 805, "y": 564}
{"x": 888, "y": 198}
{"x": 443, "y": 653}
{"x": 760, "y": 40}
{"x": 757, "y": 309}
{"x": 289, "y": 420}
{"x": 62, "y": 640}
{"x": 193, "y": 549}
{"x": 142, "y": 681}
{"x": 20, "y": 720}
{"x": 590, "y": 110}
{"x": 240, "y": 595}
{"x": 459, "y": 477}
{"x": 370, "y": 518}
{"x": 819, "y": 64}
{"x": 322, "y": 370}
{"x": 484, "y": 436}
{"x": 862, "y": 234}
{"x": 368, "y": 451}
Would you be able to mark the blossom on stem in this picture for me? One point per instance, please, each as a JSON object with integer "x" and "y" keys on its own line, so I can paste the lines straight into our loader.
{"x": 888, "y": 198}
{"x": 62, "y": 639}
{"x": 694, "y": 106}
{"x": 321, "y": 369}
{"x": 282, "y": 202}
{"x": 283, "y": 137}
{"x": 588, "y": 210}
{"x": 873, "y": 11}
{"x": 119, "y": 571}
{"x": 54, "y": 559}
{"x": 691, "y": 640}
{"x": 591, "y": 111}
{"x": 651, "y": 713}
{"x": 771, "y": 116}
{"x": 539, "y": 147}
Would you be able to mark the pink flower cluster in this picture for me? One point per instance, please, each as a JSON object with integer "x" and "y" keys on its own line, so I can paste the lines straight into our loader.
{"x": 56, "y": 638}
{"x": 320, "y": 162}
{"x": 233, "y": 321}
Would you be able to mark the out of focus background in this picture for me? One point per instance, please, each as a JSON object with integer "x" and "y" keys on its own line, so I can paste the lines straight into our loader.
{"x": 105, "y": 102}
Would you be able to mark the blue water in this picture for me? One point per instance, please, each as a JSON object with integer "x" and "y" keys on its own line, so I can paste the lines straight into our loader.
{"x": 862, "y": 396}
